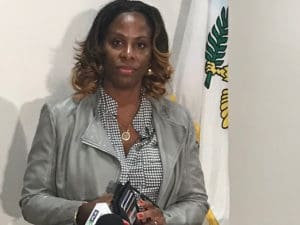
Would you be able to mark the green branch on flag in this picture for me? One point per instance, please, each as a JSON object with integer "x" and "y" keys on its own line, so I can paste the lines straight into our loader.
{"x": 217, "y": 43}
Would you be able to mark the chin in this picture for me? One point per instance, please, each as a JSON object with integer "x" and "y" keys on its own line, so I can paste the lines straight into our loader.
{"x": 127, "y": 83}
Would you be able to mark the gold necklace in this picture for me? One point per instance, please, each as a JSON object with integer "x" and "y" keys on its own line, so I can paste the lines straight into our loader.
{"x": 125, "y": 135}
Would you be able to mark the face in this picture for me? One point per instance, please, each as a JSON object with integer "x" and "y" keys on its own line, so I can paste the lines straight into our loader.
{"x": 127, "y": 51}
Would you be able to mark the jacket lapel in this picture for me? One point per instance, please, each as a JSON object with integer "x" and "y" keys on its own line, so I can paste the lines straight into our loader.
{"x": 170, "y": 137}
{"x": 95, "y": 135}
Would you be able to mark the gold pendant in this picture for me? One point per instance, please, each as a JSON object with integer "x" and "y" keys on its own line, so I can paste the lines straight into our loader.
{"x": 125, "y": 136}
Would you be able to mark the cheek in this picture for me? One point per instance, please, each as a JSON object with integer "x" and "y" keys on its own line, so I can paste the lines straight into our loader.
{"x": 108, "y": 52}
{"x": 146, "y": 59}
{"x": 109, "y": 57}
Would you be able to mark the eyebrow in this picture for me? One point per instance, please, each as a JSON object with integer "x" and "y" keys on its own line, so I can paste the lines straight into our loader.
{"x": 122, "y": 35}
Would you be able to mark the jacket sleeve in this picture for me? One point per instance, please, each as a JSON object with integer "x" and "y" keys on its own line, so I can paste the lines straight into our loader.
{"x": 191, "y": 205}
{"x": 39, "y": 201}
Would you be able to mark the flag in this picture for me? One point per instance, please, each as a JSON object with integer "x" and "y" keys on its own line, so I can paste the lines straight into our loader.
{"x": 201, "y": 84}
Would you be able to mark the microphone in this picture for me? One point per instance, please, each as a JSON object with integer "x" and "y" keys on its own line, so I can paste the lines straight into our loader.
{"x": 110, "y": 219}
{"x": 98, "y": 211}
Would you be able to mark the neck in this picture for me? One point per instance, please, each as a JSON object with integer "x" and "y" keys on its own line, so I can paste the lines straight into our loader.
{"x": 124, "y": 96}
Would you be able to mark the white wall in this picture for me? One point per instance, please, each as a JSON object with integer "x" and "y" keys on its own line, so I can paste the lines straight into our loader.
{"x": 36, "y": 42}
{"x": 264, "y": 126}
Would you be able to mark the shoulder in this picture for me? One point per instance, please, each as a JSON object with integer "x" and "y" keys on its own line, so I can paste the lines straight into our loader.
{"x": 171, "y": 110}
{"x": 69, "y": 107}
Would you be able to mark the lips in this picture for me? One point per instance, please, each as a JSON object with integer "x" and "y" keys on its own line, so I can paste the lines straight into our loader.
{"x": 126, "y": 69}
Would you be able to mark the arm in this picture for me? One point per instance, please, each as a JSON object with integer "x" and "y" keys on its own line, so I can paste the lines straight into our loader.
{"x": 39, "y": 202}
{"x": 191, "y": 205}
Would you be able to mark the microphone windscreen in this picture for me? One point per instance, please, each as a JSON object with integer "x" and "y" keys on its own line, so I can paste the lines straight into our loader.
{"x": 110, "y": 219}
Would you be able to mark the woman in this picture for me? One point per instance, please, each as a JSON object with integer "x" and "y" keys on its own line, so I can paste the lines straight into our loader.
{"x": 116, "y": 127}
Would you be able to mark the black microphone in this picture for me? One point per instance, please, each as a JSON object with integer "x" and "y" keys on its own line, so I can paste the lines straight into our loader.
{"x": 110, "y": 219}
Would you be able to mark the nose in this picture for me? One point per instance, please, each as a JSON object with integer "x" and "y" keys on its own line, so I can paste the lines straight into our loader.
{"x": 127, "y": 52}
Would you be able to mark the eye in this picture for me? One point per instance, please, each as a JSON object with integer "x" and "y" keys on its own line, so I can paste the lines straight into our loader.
{"x": 141, "y": 45}
{"x": 116, "y": 43}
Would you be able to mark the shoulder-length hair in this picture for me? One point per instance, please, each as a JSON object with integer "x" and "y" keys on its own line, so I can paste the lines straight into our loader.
{"x": 87, "y": 74}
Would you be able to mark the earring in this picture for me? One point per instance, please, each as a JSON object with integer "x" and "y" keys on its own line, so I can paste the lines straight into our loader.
{"x": 149, "y": 72}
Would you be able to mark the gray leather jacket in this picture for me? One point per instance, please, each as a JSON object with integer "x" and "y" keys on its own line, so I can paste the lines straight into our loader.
{"x": 69, "y": 163}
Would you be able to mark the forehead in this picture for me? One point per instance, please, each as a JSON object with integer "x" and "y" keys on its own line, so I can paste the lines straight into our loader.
{"x": 130, "y": 23}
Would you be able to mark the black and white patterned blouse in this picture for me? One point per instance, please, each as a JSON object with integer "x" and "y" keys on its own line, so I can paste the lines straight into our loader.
{"x": 142, "y": 166}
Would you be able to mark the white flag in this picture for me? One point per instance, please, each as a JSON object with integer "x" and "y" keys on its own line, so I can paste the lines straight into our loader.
{"x": 201, "y": 84}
